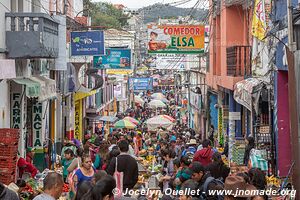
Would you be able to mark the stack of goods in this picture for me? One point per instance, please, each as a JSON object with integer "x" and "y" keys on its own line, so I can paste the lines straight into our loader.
{"x": 238, "y": 152}
{"x": 9, "y": 155}
{"x": 273, "y": 182}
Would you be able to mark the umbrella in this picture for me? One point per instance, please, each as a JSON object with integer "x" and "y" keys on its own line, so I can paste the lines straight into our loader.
{"x": 167, "y": 117}
{"x": 162, "y": 99}
{"x": 157, "y": 104}
{"x": 158, "y": 121}
{"x": 139, "y": 100}
{"x": 108, "y": 118}
{"x": 131, "y": 119}
{"x": 124, "y": 124}
{"x": 158, "y": 95}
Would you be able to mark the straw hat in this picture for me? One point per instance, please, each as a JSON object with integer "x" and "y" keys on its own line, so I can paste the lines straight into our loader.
{"x": 192, "y": 142}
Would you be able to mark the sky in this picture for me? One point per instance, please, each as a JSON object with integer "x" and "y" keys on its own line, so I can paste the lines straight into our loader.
{"x": 134, "y": 4}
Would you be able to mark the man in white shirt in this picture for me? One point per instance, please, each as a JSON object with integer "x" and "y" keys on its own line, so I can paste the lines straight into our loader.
{"x": 53, "y": 187}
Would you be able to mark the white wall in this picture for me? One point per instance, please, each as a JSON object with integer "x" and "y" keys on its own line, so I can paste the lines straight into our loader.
{"x": 4, "y": 105}
{"x": 78, "y": 7}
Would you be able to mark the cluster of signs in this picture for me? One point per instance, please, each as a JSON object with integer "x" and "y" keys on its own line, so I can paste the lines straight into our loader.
{"x": 91, "y": 43}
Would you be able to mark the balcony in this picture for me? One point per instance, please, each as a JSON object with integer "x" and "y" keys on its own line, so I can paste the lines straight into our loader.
{"x": 31, "y": 35}
{"x": 238, "y": 61}
{"x": 244, "y": 3}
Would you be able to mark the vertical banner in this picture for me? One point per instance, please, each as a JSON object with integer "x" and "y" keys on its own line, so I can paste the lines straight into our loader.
{"x": 220, "y": 126}
{"x": 16, "y": 110}
{"x": 18, "y": 114}
{"x": 78, "y": 120}
{"x": 259, "y": 27}
{"x": 37, "y": 125}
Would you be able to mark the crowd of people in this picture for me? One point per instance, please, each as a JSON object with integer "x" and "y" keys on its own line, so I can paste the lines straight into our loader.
{"x": 91, "y": 167}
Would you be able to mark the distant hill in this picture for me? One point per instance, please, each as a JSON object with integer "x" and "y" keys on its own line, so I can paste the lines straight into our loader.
{"x": 153, "y": 12}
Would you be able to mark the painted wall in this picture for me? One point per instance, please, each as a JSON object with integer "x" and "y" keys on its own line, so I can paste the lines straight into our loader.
{"x": 230, "y": 30}
{"x": 283, "y": 136}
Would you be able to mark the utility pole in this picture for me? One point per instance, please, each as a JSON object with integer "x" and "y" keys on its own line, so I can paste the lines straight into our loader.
{"x": 293, "y": 110}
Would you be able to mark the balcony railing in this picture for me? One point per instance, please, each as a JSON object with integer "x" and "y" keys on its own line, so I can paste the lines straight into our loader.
{"x": 238, "y": 61}
{"x": 31, "y": 35}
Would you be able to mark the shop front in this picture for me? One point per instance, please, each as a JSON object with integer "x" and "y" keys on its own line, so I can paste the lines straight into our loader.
{"x": 30, "y": 114}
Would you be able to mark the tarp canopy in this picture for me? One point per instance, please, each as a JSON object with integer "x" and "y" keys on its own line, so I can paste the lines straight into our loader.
{"x": 33, "y": 88}
{"x": 48, "y": 87}
{"x": 247, "y": 89}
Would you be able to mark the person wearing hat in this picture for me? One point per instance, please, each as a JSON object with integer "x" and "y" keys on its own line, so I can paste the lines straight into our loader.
{"x": 30, "y": 154}
{"x": 204, "y": 155}
{"x": 191, "y": 149}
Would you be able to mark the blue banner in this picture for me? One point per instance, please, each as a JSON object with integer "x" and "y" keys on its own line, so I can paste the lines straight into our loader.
{"x": 140, "y": 84}
{"x": 114, "y": 59}
{"x": 90, "y": 43}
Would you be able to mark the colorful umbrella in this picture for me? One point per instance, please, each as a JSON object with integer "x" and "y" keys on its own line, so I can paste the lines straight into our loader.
{"x": 157, "y": 104}
{"x": 131, "y": 119}
{"x": 158, "y": 96}
{"x": 124, "y": 124}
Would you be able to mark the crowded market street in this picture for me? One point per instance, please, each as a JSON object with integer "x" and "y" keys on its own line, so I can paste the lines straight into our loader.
{"x": 149, "y": 100}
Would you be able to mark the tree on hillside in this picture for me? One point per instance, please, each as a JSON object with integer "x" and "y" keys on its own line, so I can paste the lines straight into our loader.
{"x": 105, "y": 14}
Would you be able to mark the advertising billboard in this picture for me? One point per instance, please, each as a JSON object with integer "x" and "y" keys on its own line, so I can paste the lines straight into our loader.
{"x": 183, "y": 39}
{"x": 170, "y": 61}
{"x": 114, "y": 59}
{"x": 140, "y": 84}
{"x": 88, "y": 43}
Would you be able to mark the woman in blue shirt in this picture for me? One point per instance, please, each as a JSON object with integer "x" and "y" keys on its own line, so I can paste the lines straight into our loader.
{"x": 85, "y": 172}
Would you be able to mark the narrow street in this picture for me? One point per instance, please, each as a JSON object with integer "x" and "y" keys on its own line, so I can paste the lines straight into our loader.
{"x": 149, "y": 100}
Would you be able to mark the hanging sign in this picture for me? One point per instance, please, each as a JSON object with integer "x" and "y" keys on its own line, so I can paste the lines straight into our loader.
{"x": 87, "y": 43}
{"x": 183, "y": 39}
{"x": 78, "y": 120}
{"x": 37, "y": 125}
{"x": 114, "y": 59}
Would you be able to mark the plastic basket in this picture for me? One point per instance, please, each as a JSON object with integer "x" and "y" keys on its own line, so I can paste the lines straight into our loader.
{"x": 7, "y": 177}
{"x": 9, "y": 133}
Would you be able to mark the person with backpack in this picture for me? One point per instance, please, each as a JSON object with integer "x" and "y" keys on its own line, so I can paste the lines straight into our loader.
{"x": 204, "y": 155}
{"x": 205, "y": 181}
{"x": 190, "y": 150}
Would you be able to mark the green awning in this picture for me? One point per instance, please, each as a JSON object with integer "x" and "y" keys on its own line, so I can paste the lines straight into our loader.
{"x": 32, "y": 88}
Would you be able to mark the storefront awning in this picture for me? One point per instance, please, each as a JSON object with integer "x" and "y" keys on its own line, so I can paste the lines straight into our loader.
{"x": 33, "y": 88}
{"x": 48, "y": 87}
{"x": 247, "y": 89}
{"x": 82, "y": 94}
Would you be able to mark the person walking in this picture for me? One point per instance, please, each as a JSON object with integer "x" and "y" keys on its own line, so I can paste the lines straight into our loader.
{"x": 204, "y": 155}
{"x": 85, "y": 172}
{"x": 53, "y": 187}
{"x": 126, "y": 164}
